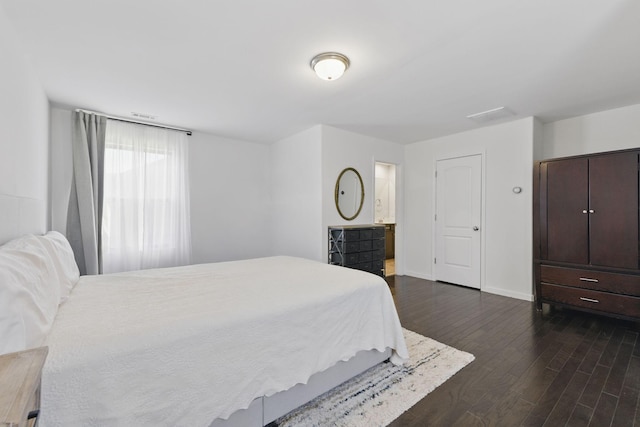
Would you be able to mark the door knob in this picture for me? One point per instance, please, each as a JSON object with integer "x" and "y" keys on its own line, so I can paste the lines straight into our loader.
{"x": 475, "y": 228}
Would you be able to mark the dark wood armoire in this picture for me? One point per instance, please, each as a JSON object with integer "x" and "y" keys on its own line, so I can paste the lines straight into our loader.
{"x": 586, "y": 233}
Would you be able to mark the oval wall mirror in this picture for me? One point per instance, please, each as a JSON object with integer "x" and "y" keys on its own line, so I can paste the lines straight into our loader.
{"x": 349, "y": 194}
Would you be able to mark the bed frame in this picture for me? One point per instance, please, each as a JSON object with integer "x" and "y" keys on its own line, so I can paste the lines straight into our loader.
{"x": 264, "y": 410}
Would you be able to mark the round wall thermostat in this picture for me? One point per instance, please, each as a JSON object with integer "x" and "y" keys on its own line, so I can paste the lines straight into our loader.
{"x": 517, "y": 190}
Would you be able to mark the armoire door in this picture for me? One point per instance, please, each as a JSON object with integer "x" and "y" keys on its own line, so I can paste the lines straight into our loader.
{"x": 613, "y": 210}
{"x": 567, "y": 186}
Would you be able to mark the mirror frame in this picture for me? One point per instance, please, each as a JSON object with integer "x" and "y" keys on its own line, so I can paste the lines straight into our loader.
{"x": 337, "y": 189}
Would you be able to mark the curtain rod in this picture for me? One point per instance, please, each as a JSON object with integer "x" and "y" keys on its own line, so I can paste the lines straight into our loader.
{"x": 120, "y": 119}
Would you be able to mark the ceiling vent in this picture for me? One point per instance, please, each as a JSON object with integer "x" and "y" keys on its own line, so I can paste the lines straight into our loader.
{"x": 491, "y": 115}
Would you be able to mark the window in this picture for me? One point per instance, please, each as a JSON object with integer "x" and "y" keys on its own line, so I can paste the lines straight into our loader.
{"x": 145, "y": 221}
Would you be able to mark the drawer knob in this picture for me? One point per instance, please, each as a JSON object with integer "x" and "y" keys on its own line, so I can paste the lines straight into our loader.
{"x": 586, "y": 279}
{"x": 589, "y": 299}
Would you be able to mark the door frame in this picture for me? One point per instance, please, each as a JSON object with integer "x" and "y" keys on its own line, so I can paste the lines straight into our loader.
{"x": 449, "y": 155}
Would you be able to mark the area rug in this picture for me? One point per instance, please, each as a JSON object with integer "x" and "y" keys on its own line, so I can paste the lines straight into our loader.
{"x": 381, "y": 394}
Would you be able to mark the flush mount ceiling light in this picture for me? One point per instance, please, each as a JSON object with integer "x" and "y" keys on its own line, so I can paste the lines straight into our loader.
{"x": 330, "y": 65}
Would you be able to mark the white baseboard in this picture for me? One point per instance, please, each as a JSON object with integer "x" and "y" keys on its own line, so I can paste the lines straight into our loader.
{"x": 510, "y": 294}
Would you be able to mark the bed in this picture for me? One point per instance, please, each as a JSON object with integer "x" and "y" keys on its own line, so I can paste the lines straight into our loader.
{"x": 233, "y": 343}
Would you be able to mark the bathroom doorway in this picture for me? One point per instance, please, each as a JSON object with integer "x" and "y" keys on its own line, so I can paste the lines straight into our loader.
{"x": 385, "y": 210}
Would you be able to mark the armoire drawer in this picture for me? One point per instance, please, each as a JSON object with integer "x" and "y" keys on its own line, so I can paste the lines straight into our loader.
{"x": 594, "y": 300}
{"x": 588, "y": 279}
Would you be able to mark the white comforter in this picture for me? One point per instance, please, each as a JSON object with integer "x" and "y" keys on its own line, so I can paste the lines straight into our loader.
{"x": 183, "y": 346}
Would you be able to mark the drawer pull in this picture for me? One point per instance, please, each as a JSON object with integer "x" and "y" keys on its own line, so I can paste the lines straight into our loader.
{"x": 589, "y": 299}
{"x": 586, "y": 279}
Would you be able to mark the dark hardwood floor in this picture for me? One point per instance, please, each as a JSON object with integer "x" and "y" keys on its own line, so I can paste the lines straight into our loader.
{"x": 550, "y": 368}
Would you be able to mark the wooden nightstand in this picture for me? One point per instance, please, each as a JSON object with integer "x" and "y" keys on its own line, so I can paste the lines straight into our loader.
{"x": 20, "y": 386}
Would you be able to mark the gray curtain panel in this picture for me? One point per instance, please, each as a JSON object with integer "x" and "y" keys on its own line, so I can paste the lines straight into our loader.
{"x": 84, "y": 217}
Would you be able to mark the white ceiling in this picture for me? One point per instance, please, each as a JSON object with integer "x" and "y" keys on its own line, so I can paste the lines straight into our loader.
{"x": 240, "y": 68}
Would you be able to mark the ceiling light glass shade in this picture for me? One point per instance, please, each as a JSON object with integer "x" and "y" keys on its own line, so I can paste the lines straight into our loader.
{"x": 330, "y": 65}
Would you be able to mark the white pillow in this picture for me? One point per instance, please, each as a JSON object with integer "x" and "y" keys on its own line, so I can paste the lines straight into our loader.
{"x": 63, "y": 260}
{"x": 29, "y": 294}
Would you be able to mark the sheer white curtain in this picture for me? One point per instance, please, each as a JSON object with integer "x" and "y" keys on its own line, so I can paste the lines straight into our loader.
{"x": 145, "y": 220}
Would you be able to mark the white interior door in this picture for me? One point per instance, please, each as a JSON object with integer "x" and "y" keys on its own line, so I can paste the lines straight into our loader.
{"x": 458, "y": 216}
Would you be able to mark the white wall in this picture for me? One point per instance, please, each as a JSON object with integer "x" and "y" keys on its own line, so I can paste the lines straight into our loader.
{"x": 24, "y": 142}
{"x": 342, "y": 149}
{"x": 305, "y": 167}
{"x": 296, "y": 191}
{"x": 61, "y": 166}
{"x": 609, "y": 130}
{"x": 507, "y": 151}
{"x": 230, "y": 198}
